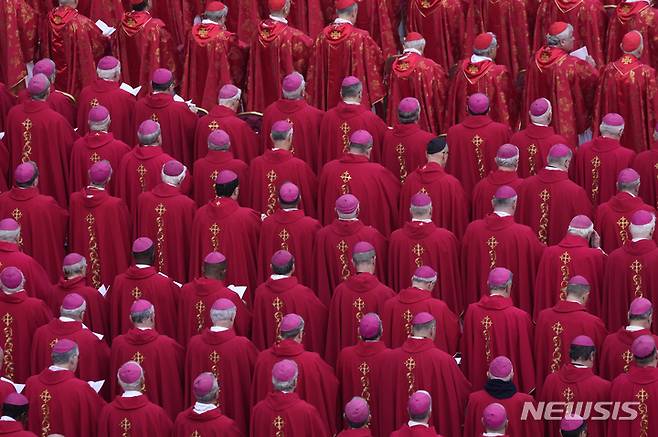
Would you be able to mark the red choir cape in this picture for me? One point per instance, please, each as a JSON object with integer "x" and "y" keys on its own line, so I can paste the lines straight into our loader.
{"x": 97, "y": 313}
{"x": 572, "y": 256}
{"x": 375, "y": 187}
{"x": 628, "y": 274}
{"x": 569, "y": 83}
{"x": 143, "y": 283}
{"x": 556, "y": 329}
{"x": 339, "y": 123}
{"x": 195, "y": 301}
{"x": 142, "y": 44}
{"x": 357, "y": 296}
{"x": 306, "y": 120}
{"x": 404, "y": 149}
{"x": 293, "y": 231}
{"x": 415, "y": 75}
{"x": 317, "y": 384}
{"x": 165, "y": 215}
{"x": 205, "y": 173}
{"x": 207, "y": 423}
{"x": 633, "y": 16}
{"x": 37, "y": 283}
{"x": 19, "y": 21}
{"x": 534, "y": 142}
{"x": 547, "y": 203}
{"x": 277, "y": 50}
{"x": 612, "y": 219}
{"x": 74, "y": 43}
{"x": 272, "y": 169}
{"x": 484, "y": 191}
{"x": 493, "y": 327}
{"x": 37, "y": 133}
{"x": 26, "y": 314}
{"x": 137, "y": 414}
{"x": 628, "y": 87}
{"x": 119, "y": 103}
{"x": 645, "y": 164}
{"x": 277, "y": 297}
{"x": 231, "y": 359}
{"x": 417, "y": 244}
{"x": 110, "y": 12}
{"x": 500, "y": 242}
{"x": 419, "y": 365}
{"x": 333, "y": 254}
{"x": 224, "y": 226}
{"x": 513, "y": 403}
{"x": 342, "y": 50}
{"x": 60, "y": 102}
{"x": 43, "y": 226}
{"x": 90, "y": 149}
{"x": 640, "y": 384}
{"x": 287, "y": 411}
{"x": 244, "y": 142}
{"x": 399, "y": 311}
{"x": 63, "y": 404}
{"x": 162, "y": 360}
{"x": 366, "y": 381}
{"x": 615, "y": 356}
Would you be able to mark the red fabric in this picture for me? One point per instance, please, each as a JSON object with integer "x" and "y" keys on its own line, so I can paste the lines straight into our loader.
{"x": 478, "y": 401}
{"x": 613, "y": 358}
{"x": 14, "y": 429}
{"x": 374, "y": 18}
{"x": 176, "y": 17}
{"x": 7, "y": 101}
{"x": 207, "y": 423}
{"x": 299, "y": 418}
{"x": 36, "y": 279}
{"x": 205, "y": 173}
{"x": 96, "y": 316}
{"x": 243, "y": 20}
{"x": 306, "y": 15}
{"x": 143, "y": 416}
{"x": 119, "y": 103}
{"x": 510, "y": 333}
{"x": 645, "y": 164}
{"x": 90, "y": 148}
{"x": 4, "y": 166}
{"x": 612, "y": 219}
{"x": 626, "y": 388}
{"x": 638, "y": 16}
{"x": 58, "y": 102}
{"x": 415, "y": 431}
{"x": 73, "y": 408}
{"x": 110, "y": 12}
{"x": 404, "y": 149}
{"x": 361, "y": 432}
{"x": 244, "y": 142}
{"x": 234, "y": 367}
{"x": 534, "y": 142}
{"x": 19, "y": 23}
{"x": 485, "y": 190}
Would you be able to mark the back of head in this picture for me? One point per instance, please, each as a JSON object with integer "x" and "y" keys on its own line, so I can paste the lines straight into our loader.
{"x": 226, "y": 183}
{"x": 485, "y": 44}
{"x": 351, "y": 88}
{"x": 558, "y": 33}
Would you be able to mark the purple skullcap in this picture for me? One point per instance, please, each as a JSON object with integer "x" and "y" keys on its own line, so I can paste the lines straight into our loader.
{"x": 347, "y": 204}
{"x": 148, "y": 127}
{"x": 559, "y": 151}
{"x": 478, "y": 103}
{"x": 499, "y": 277}
{"x": 11, "y": 277}
{"x": 203, "y": 384}
{"x": 422, "y": 318}
{"x": 361, "y": 137}
{"x": 162, "y": 76}
{"x": 291, "y": 322}
{"x": 613, "y": 119}
{"x": 223, "y": 304}
{"x": 500, "y": 367}
{"x": 292, "y": 82}
{"x": 16, "y": 399}
{"x": 643, "y": 346}
{"x": 425, "y": 272}
{"x": 507, "y": 151}
{"x": 288, "y": 192}
{"x": 44, "y": 66}
{"x": 140, "y": 305}
{"x": 72, "y": 301}
{"x": 494, "y": 416}
{"x": 582, "y": 340}
{"x": 539, "y": 107}
{"x": 100, "y": 171}
{"x": 9, "y": 224}
{"x": 72, "y": 259}
{"x": 639, "y": 306}
{"x": 571, "y": 422}
{"x": 281, "y": 258}
{"x": 98, "y": 114}
{"x": 409, "y": 104}
{"x": 369, "y": 326}
{"x": 108, "y": 63}
{"x": 421, "y": 199}
{"x": 142, "y": 244}
{"x": 628, "y": 176}
{"x": 25, "y": 172}
{"x": 64, "y": 345}
{"x": 419, "y": 403}
{"x": 641, "y": 217}
{"x": 281, "y": 126}
{"x": 214, "y": 258}
{"x": 38, "y": 84}
{"x": 357, "y": 410}
{"x": 173, "y": 168}
{"x": 505, "y": 192}
{"x": 350, "y": 81}
{"x": 581, "y": 222}
{"x": 226, "y": 176}
{"x": 363, "y": 247}
{"x": 219, "y": 137}
{"x": 578, "y": 280}
{"x": 130, "y": 372}
{"x": 284, "y": 370}
{"x": 228, "y": 91}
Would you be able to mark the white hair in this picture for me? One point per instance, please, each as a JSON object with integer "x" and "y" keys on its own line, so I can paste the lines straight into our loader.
{"x": 223, "y": 315}
{"x": 109, "y": 74}
{"x": 580, "y": 232}
{"x": 418, "y": 44}
{"x": 227, "y": 102}
{"x": 641, "y": 231}
{"x": 173, "y": 180}
{"x": 493, "y": 45}
{"x": 554, "y": 40}
{"x": 508, "y": 162}
{"x": 10, "y": 236}
{"x": 611, "y": 130}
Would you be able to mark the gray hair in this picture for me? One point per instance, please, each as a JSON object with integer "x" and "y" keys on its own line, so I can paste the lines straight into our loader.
{"x": 286, "y": 386}
{"x": 64, "y": 357}
{"x": 75, "y": 269}
{"x": 209, "y": 397}
{"x": 611, "y": 130}
{"x": 96, "y": 126}
{"x": 487, "y": 51}
{"x": 417, "y": 45}
{"x": 20, "y": 286}
{"x": 349, "y": 216}
{"x": 296, "y": 94}
{"x": 227, "y": 102}
{"x": 10, "y": 236}
{"x": 640, "y": 231}
{"x": 142, "y": 316}
{"x": 133, "y": 386}
{"x": 584, "y": 233}
{"x": 223, "y": 315}
{"x": 216, "y": 15}
{"x": 631, "y": 186}
{"x": 498, "y": 203}
{"x": 562, "y": 161}
{"x": 420, "y": 210}
{"x": 149, "y": 139}
{"x": 409, "y": 117}
{"x": 555, "y": 40}
{"x": 360, "y": 148}
{"x": 508, "y": 162}
{"x": 363, "y": 257}
{"x": 351, "y": 90}
{"x": 75, "y": 313}
{"x": 109, "y": 74}
{"x": 295, "y": 332}
{"x": 174, "y": 180}
{"x": 347, "y": 11}
{"x": 280, "y": 136}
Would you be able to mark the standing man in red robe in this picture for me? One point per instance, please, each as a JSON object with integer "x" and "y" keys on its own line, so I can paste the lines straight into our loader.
{"x": 414, "y": 75}
{"x": 645, "y": 163}
{"x": 358, "y": 418}
{"x": 628, "y": 86}
{"x": 633, "y": 15}
{"x": 507, "y": 161}
{"x": 342, "y": 50}
{"x": 494, "y": 326}
{"x": 277, "y": 50}
{"x": 20, "y": 23}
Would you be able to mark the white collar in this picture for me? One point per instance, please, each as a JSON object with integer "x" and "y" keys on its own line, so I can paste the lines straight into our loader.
{"x": 502, "y": 214}
{"x": 478, "y": 58}
{"x": 631, "y": 194}
{"x": 96, "y": 188}
{"x": 579, "y": 366}
{"x": 573, "y": 300}
{"x": 491, "y": 434}
{"x": 339, "y": 20}
{"x": 638, "y": 239}
{"x": 56, "y": 368}
{"x": 289, "y": 209}
{"x": 66, "y": 319}
{"x": 7, "y": 419}
{"x": 411, "y": 50}
{"x": 131, "y": 394}
{"x": 351, "y": 103}
{"x": 200, "y": 408}
{"x": 422, "y": 220}
{"x": 348, "y": 220}
{"x": 548, "y": 167}
{"x": 218, "y": 329}
{"x": 277, "y": 277}
{"x": 632, "y": 328}
{"x": 279, "y": 19}
{"x": 412, "y": 423}
{"x": 142, "y": 266}
{"x": 207, "y": 21}
{"x": 143, "y": 328}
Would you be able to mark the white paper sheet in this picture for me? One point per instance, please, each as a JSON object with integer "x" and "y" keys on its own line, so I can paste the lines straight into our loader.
{"x": 107, "y": 30}
{"x": 96, "y": 385}
{"x": 238, "y": 289}
{"x": 2, "y": 135}
{"x": 134, "y": 91}
{"x": 103, "y": 290}
{"x": 18, "y": 387}
{"x": 581, "y": 53}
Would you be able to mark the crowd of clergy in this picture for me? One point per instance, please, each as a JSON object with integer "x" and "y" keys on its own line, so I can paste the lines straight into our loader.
{"x": 307, "y": 219}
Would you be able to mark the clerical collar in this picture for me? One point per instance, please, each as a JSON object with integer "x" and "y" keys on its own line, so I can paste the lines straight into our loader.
{"x": 66, "y": 319}
{"x": 491, "y": 434}
{"x": 550, "y": 167}
{"x": 502, "y": 214}
{"x": 7, "y": 419}
{"x": 348, "y": 219}
{"x": 218, "y": 329}
{"x": 279, "y": 19}
{"x": 410, "y": 50}
{"x": 634, "y": 240}
{"x": 351, "y": 103}
{"x": 413, "y": 423}
{"x": 422, "y": 220}
{"x": 142, "y": 266}
{"x": 289, "y": 209}
{"x": 579, "y": 366}
{"x": 131, "y": 394}
{"x": 56, "y": 368}
{"x": 342, "y": 21}
{"x": 539, "y": 123}
{"x": 143, "y": 328}
{"x": 630, "y": 194}
{"x": 200, "y": 408}
{"x": 633, "y": 328}
{"x": 417, "y": 338}
{"x": 96, "y": 188}
{"x": 573, "y": 300}
{"x": 207, "y": 21}
{"x": 478, "y": 58}
{"x": 277, "y": 277}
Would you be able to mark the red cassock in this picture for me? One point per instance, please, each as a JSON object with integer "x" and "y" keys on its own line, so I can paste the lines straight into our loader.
{"x": 97, "y": 313}
{"x": 628, "y": 87}
{"x": 317, "y": 384}
{"x": 615, "y": 356}
{"x": 99, "y": 230}
{"x": 58, "y": 101}
{"x": 488, "y": 78}
{"x": 485, "y": 190}
{"x": 358, "y": 295}
{"x": 646, "y": 165}
{"x": 399, "y": 311}
{"x": 271, "y": 170}
{"x": 500, "y": 242}
{"x": 366, "y": 381}
{"x": 569, "y": 83}
{"x": 628, "y": 274}
{"x": 473, "y": 145}
{"x": 231, "y": 359}
{"x": 339, "y": 123}
{"x": 37, "y": 283}
{"x": 213, "y": 57}
{"x": 208, "y": 423}
{"x": 556, "y": 328}
{"x": 205, "y": 173}
{"x": 165, "y": 215}
{"x": 534, "y": 142}
{"x": 570, "y": 257}
{"x": 342, "y": 50}
{"x": 295, "y": 417}
{"x": 110, "y": 12}
{"x": 37, "y": 133}
{"x": 142, "y": 44}
{"x": 404, "y": 149}
{"x": 88, "y": 150}
{"x": 277, "y": 297}
{"x": 137, "y": 414}
{"x": 638, "y": 16}
{"x": 119, "y": 103}
{"x": 449, "y": 204}
{"x": 293, "y": 231}
{"x": 63, "y": 404}
{"x": 640, "y": 384}
{"x": 547, "y": 203}
{"x": 74, "y": 43}
{"x": 375, "y": 187}
{"x": 418, "y": 243}
{"x": 22, "y": 315}
{"x": 333, "y": 254}
{"x": 419, "y": 365}
{"x": 277, "y": 50}
{"x": 493, "y": 327}
{"x": 612, "y": 219}
{"x": 479, "y": 400}
{"x": 19, "y": 21}
{"x": 442, "y": 24}
{"x": 43, "y": 226}
{"x": 195, "y": 301}
{"x": 413, "y": 75}
{"x": 244, "y": 142}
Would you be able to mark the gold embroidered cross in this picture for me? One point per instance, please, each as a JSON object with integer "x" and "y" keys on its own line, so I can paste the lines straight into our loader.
{"x": 544, "y": 195}
{"x": 359, "y": 304}
{"x": 623, "y": 223}
{"x": 155, "y": 118}
{"x": 136, "y": 293}
{"x": 95, "y": 157}
{"x": 567, "y": 394}
{"x": 364, "y": 368}
{"x": 125, "y": 424}
{"x": 271, "y": 176}
{"x": 477, "y": 140}
{"x": 557, "y": 328}
{"x": 214, "y": 357}
{"x": 17, "y": 214}
{"x": 7, "y": 319}
{"x": 45, "y": 396}
{"x": 284, "y": 235}
{"x": 213, "y": 125}
{"x": 486, "y": 322}
{"x": 407, "y": 316}
{"x": 278, "y": 423}
{"x": 138, "y": 357}
{"x": 636, "y": 266}
{"x": 160, "y": 209}
{"x": 94, "y": 102}
{"x": 410, "y": 364}
{"x": 642, "y": 395}
{"x": 418, "y": 249}
{"x": 90, "y": 219}
{"x": 277, "y": 304}
{"x": 141, "y": 170}
{"x": 200, "y": 306}
{"x": 346, "y": 177}
{"x": 492, "y": 242}
{"x": 565, "y": 258}
{"x": 27, "y": 124}
{"x": 342, "y": 246}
